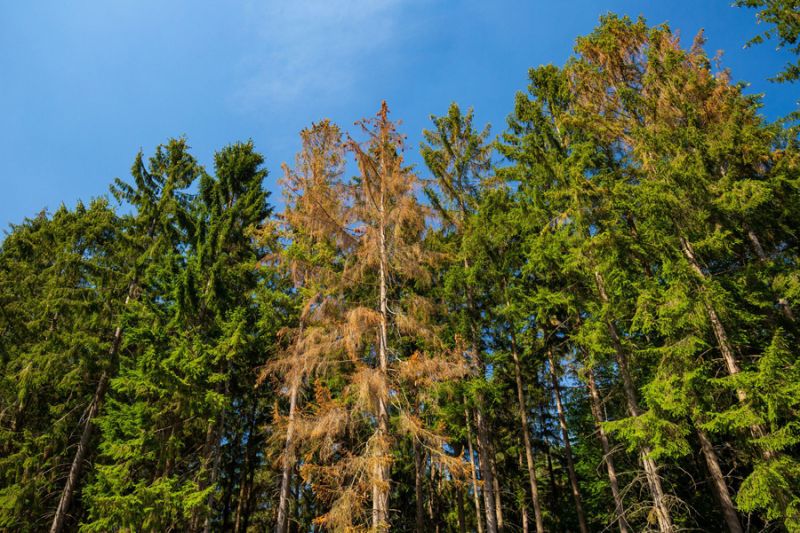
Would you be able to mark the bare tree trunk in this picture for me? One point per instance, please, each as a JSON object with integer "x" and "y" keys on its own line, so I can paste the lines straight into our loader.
{"x": 287, "y": 460}
{"x": 418, "y": 489}
{"x": 718, "y": 482}
{"x": 80, "y": 454}
{"x": 562, "y": 419}
{"x": 524, "y": 512}
{"x": 554, "y": 497}
{"x": 484, "y": 455}
{"x": 462, "y": 522}
{"x": 782, "y": 302}
{"x": 73, "y": 478}
{"x": 631, "y": 400}
{"x": 380, "y": 487}
{"x": 498, "y": 502}
{"x": 245, "y": 482}
{"x": 475, "y": 489}
{"x": 483, "y": 433}
{"x": 523, "y": 509}
{"x": 526, "y": 439}
{"x": 597, "y": 413}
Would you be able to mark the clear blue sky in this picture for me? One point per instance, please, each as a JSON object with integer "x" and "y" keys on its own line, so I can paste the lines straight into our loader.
{"x": 85, "y": 84}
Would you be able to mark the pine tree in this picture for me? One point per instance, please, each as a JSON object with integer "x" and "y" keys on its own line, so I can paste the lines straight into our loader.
{"x": 61, "y": 293}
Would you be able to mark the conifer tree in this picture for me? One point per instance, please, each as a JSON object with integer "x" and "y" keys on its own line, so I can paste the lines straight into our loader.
{"x": 61, "y": 294}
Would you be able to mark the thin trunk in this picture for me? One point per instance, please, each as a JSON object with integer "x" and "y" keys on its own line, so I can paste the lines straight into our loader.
{"x": 718, "y": 482}
{"x": 485, "y": 458}
{"x": 217, "y": 459}
{"x": 523, "y": 509}
{"x": 573, "y": 478}
{"x": 298, "y": 499}
{"x": 418, "y": 489}
{"x": 524, "y": 512}
{"x": 77, "y": 462}
{"x": 73, "y": 478}
{"x": 597, "y": 413}
{"x": 241, "y": 503}
{"x": 287, "y": 460}
{"x": 462, "y": 520}
{"x": 782, "y": 302}
{"x": 721, "y": 335}
{"x": 554, "y": 497}
{"x": 526, "y": 439}
{"x": 380, "y": 487}
{"x": 430, "y": 504}
{"x": 230, "y": 482}
{"x": 632, "y": 403}
{"x": 498, "y": 501}
{"x": 483, "y": 432}
{"x": 246, "y": 477}
{"x": 475, "y": 489}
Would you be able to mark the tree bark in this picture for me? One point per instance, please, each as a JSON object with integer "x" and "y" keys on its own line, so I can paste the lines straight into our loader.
{"x": 720, "y": 334}
{"x": 554, "y": 492}
{"x": 462, "y": 522}
{"x": 287, "y": 460}
{"x": 573, "y": 478}
{"x": 381, "y": 481}
{"x": 523, "y": 509}
{"x": 418, "y": 488}
{"x": 73, "y": 478}
{"x": 597, "y": 413}
{"x": 483, "y": 434}
{"x": 245, "y": 481}
{"x": 485, "y": 458}
{"x": 475, "y": 489}
{"x": 498, "y": 501}
{"x": 632, "y": 403}
{"x": 80, "y": 454}
{"x": 718, "y": 482}
{"x": 526, "y": 439}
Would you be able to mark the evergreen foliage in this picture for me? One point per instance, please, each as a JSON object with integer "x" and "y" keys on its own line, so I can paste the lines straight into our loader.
{"x": 586, "y": 324}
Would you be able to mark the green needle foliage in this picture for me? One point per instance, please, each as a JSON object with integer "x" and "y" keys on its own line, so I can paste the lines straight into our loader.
{"x": 587, "y": 324}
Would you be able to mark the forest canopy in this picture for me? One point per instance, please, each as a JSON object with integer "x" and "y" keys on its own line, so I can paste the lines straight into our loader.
{"x": 586, "y": 323}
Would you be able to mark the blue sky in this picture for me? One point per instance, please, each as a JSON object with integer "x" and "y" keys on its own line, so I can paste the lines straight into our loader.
{"x": 85, "y": 84}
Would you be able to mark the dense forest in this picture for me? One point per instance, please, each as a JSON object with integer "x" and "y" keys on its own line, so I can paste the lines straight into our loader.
{"x": 586, "y": 323}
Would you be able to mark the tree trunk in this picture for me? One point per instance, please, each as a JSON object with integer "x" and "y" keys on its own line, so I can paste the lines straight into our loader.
{"x": 632, "y": 403}
{"x": 73, "y": 478}
{"x": 462, "y": 519}
{"x": 526, "y": 439}
{"x": 573, "y": 478}
{"x": 484, "y": 454}
{"x": 782, "y": 302}
{"x": 245, "y": 480}
{"x": 381, "y": 481}
{"x": 718, "y": 482}
{"x": 418, "y": 489}
{"x": 287, "y": 460}
{"x": 80, "y": 454}
{"x": 523, "y": 509}
{"x": 554, "y": 492}
{"x": 483, "y": 433}
{"x": 597, "y": 413}
{"x": 458, "y": 451}
{"x": 498, "y": 501}
{"x": 723, "y": 343}
{"x": 475, "y": 490}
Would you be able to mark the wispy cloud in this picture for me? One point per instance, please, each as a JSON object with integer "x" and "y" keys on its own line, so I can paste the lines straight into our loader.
{"x": 316, "y": 49}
